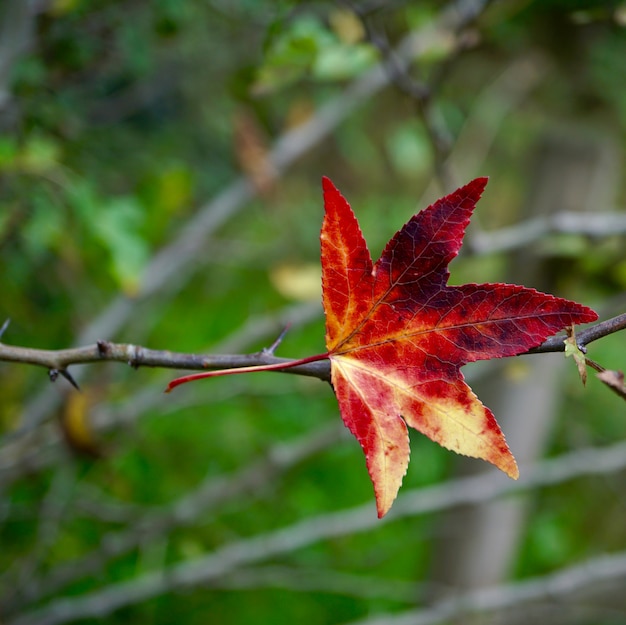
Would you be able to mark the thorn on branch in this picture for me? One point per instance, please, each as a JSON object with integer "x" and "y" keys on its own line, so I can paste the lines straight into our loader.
{"x": 66, "y": 374}
{"x": 272, "y": 348}
{"x": 53, "y": 374}
{"x": 5, "y": 325}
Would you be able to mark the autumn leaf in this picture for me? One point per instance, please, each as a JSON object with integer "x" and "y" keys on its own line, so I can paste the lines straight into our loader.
{"x": 397, "y": 335}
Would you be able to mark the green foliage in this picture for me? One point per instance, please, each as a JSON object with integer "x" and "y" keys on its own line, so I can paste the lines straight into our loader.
{"x": 306, "y": 47}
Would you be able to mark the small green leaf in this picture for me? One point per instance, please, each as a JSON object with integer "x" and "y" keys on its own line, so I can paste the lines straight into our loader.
{"x": 572, "y": 349}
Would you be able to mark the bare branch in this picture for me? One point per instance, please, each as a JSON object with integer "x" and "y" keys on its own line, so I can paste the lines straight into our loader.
{"x": 299, "y": 579}
{"x": 584, "y": 337}
{"x": 615, "y": 381}
{"x": 420, "y": 93}
{"x": 32, "y": 448}
{"x": 137, "y": 356}
{"x": 527, "y": 232}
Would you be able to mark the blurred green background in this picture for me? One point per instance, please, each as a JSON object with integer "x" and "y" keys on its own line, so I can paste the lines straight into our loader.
{"x": 160, "y": 166}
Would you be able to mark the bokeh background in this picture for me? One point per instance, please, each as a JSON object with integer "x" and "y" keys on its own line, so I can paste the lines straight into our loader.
{"x": 160, "y": 166}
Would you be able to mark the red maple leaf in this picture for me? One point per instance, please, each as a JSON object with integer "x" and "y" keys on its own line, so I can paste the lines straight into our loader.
{"x": 397, "y": 335}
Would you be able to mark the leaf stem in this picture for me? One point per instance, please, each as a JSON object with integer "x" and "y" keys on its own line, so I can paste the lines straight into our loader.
{"x": 279, "y": 366}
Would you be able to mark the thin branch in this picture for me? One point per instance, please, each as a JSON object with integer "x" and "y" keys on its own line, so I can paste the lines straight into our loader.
{"x": 532, "y": 230}
{"x": 137, "y": 356}
{"x": 584, "y": 337}
{"x": 20, "y": 454}
{"x": 420, "y": 93}
{"x": 473, "y": 490}
{"x": 93, "y": 503}
{"x": 300, "y": 579}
